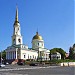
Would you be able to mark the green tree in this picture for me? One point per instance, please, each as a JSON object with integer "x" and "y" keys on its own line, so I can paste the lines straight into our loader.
{"x": 3, "y": 55}
{"x": 60, "y": 50}
{"x": 71, "y": 53}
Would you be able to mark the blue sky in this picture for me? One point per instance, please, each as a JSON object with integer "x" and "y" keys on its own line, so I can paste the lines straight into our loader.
{"x": 53, "y": 18}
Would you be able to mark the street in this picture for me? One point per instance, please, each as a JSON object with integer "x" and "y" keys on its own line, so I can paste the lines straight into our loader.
{"x": 36, "y": 70}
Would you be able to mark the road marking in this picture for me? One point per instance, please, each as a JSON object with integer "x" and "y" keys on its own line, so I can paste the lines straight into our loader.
{"x": 27, "y": 68}
{"x": 12, "y": 74}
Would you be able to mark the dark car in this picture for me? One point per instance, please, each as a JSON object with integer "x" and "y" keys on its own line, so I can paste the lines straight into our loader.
{"x": 6, "y": 63}
{"x": 20, "y": 63}
{"x": 33, "y": 64}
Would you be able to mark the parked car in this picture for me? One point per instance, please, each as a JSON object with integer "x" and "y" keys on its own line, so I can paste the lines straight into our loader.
{"x": 20, "y": 63}
{"x": 6, "y": 63}
{"x": 2, "y": 65}
{"x": 33, "y": 64}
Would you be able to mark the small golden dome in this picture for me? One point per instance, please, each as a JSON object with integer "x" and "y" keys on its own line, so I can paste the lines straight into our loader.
{"x": 37, "y": 36}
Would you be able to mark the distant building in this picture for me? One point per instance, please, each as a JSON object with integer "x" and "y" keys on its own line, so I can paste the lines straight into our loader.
{"x": 56, "y": 55}
{"x": 20, "y": 51}
{"x": 66, "y": 55}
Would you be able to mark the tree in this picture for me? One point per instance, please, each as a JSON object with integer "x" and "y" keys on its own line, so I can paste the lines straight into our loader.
{"x": 71, "y": 53}
{"x": 60, "y": 50}
{"x": 3, "y": 55}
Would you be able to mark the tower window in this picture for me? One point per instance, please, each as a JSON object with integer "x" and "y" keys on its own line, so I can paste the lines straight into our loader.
{"x": 38, "y": 44}
{"x": 13, "y": 41}
{"x": 19, "y": 40}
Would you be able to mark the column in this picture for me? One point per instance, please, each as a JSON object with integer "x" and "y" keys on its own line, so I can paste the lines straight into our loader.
{"x": 12, "y": 54}
{"x": 8, "y": 56}
{"x": 16, "y": 53}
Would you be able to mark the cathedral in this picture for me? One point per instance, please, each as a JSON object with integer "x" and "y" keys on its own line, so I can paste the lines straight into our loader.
{"x": 20, "y": 51}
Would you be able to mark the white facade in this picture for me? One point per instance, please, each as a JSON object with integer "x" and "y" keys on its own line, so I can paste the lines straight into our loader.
{"x": 37, "y": 43}
{"x": 20, "y": 51}
{"x": 56, "y": 55}
{"x": 26, "y": 54}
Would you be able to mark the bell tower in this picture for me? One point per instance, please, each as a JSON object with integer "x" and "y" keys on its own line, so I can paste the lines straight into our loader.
{"x": 16, "y": 38}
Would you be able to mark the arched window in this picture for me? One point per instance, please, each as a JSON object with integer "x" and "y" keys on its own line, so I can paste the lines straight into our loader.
{"x": 28, "y": 56}
{"x": 38, "y": 44}
{"x": 24, "y": 56}
{"x": 13, "y": 41}
{"x": 19, "y": 40}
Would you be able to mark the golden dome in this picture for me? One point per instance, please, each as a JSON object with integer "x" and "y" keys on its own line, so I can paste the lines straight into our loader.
{"x": 37, "y": 36}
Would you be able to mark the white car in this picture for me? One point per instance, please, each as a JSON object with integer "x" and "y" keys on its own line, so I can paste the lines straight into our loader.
{"x": 6, "y": 63}
{"x": 2, "y": 65}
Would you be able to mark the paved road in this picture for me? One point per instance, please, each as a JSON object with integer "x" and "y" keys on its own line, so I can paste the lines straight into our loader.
{"x": 29, "y": 70}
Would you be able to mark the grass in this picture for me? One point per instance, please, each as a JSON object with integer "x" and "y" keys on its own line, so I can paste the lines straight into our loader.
{"x": 51, "y": 61}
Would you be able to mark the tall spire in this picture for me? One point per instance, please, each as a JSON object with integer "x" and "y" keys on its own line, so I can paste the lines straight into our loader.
{"x": 16, "y": 17}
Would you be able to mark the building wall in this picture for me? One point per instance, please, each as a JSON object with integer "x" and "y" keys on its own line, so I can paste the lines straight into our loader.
{"x": 26, "y": 54}
{"x": 37, "y": 43}
{"x": 55, "y": 56}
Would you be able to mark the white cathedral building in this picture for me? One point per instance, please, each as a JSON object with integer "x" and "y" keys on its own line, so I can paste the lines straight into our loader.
{"x": 20, "y": 51}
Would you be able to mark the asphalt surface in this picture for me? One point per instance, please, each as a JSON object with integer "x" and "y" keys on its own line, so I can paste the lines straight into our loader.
{"x": 37, "y": 70}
